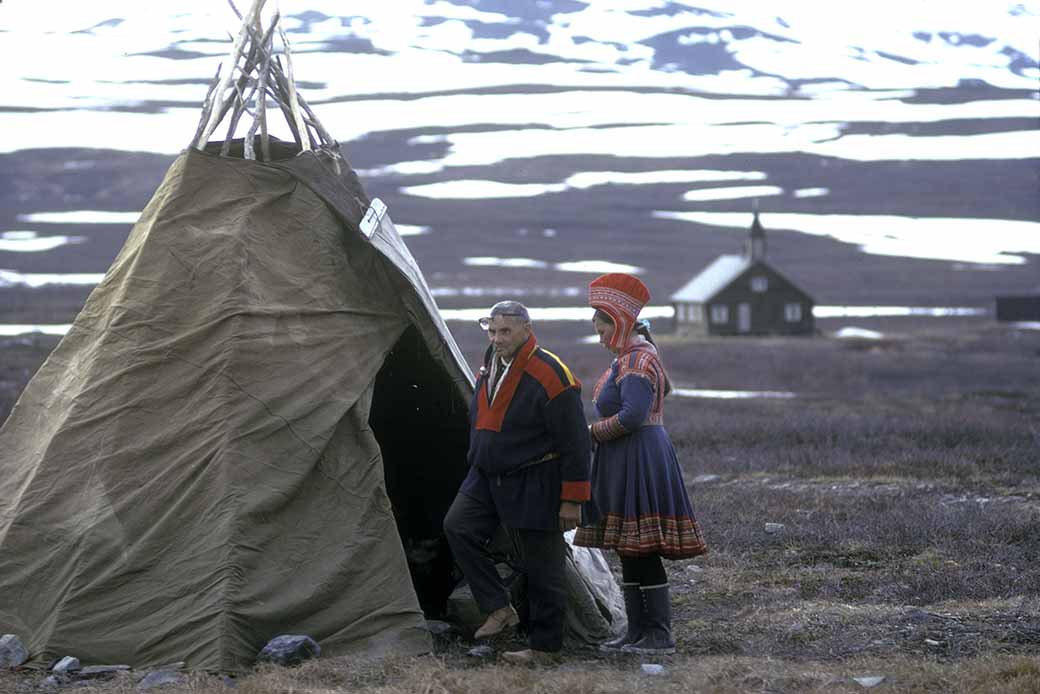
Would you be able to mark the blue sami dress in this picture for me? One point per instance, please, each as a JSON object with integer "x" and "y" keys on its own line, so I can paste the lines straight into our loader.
{"x": 639, "y": 503}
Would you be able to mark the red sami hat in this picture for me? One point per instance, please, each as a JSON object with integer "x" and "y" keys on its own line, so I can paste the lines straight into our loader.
{"x": 621, "y": 297}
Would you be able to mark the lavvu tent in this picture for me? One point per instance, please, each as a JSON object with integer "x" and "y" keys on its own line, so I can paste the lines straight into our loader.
{"x": 255, "y": 413}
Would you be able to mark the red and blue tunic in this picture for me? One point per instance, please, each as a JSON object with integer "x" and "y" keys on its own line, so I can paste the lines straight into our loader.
{"x": 639, "y": 503}
{"x": 529, "y": 444}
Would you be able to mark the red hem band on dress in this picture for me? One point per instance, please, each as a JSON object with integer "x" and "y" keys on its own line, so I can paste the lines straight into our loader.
{"x": 668, "y": 536}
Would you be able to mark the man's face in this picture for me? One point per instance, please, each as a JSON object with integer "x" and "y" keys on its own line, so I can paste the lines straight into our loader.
{"x": 507, "y": 334}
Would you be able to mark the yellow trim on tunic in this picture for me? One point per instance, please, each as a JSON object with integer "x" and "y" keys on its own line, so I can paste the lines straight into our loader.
{"x": 570, "y": 376}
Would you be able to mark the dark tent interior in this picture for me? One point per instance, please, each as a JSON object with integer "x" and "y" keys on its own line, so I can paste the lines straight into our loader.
{"x": 422, "y": 424}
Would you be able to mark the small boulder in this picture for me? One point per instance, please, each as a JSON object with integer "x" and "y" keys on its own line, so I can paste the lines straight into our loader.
{"x": 483, "y": 651}
{"x": 53, "y": 682}
{"x": 66, "y": 665}
{"x": 102, "y": 671}
{"x": 439, "y": 628}
{"x": 12, "y": 652}
{"x": 160, "y": 678}
{"x": 288, "y": 650}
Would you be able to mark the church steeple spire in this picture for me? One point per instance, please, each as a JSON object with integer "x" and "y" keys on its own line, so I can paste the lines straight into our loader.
{"x": 755, "y": 246}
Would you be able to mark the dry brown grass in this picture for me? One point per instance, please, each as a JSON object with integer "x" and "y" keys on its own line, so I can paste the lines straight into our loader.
{"x": 909, "y": 492}
{"x": 721, "y": 674}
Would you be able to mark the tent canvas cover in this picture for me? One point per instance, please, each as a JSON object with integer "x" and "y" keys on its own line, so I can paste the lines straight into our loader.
{"x": 197, "y": 466}
{"x": 253, "y": 415}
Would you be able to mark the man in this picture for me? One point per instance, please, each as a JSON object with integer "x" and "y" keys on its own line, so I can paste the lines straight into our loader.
{"x": 529, "y": 471}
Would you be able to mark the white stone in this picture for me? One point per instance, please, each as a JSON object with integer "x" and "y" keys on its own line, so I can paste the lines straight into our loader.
{"x": 773, "y": 528}
{"x": 66, "y": 664}
{"x": 652, "y": 669}
{"x": 868, "y": 682}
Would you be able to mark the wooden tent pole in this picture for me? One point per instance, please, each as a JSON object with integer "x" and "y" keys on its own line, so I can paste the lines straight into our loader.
{"x": 265, "y": 140}
{"x": 241, "y": 104}
{"x": 294, "y": 106}
{"x": 279, "y": 76}
{"x": 236, "y": 53}
{"x": 268, "y": 48}
{"x": 260, "y": 119}
{"x": 207, "y": 106}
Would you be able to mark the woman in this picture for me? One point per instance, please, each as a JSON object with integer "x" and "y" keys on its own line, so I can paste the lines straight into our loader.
{"x": 639, "y": 505}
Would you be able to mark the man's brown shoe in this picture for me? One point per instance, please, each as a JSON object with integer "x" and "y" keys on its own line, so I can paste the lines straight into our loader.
{"x": 497, "y": 621}
{"x": 530, "y": 656}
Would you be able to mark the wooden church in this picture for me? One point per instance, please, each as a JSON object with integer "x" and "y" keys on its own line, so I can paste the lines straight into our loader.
{"x": 743, "y": 295}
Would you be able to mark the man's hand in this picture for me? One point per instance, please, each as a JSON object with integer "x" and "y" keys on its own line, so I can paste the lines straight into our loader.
{"x": 570, "y": 514}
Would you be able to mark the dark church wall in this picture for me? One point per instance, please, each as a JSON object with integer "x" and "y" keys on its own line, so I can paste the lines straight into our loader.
{"x": 767, "y": 307}
{"x": 1018, "y": 308}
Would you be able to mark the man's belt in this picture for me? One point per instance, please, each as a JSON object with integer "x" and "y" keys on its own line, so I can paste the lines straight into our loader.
{"x": 551, "y": 455}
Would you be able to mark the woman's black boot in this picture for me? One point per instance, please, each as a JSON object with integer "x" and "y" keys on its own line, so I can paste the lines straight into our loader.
{"x": 657, "y": 623}
{"x": 634, "y": 611}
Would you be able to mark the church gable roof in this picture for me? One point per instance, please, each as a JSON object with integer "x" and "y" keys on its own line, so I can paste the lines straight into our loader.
{"x": 712, "y": 279}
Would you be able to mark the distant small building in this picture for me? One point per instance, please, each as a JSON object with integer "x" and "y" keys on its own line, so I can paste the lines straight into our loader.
{"x": 1021, "y": 308}
{"x": 743, "y": 295}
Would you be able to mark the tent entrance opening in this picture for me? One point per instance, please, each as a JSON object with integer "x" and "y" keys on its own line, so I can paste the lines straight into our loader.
{"x": 422, "y": 424}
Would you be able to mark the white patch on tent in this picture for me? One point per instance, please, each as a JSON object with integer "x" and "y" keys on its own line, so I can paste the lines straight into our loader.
{"x": 967, "y": 240}
{"x": 30, "y": 242}
{"x": 1025, "y": 325}
{"x": 732, "y": 394}
{"x": 34, "y": 280}
{"x": 811, "y": 192}
{"x": 733, "y": 193}
{"x": 81, "y": 217}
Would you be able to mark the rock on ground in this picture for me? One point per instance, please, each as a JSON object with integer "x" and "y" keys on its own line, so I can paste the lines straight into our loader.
{"x": 289, "y": 649}
{"x": 12, "y": 651}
